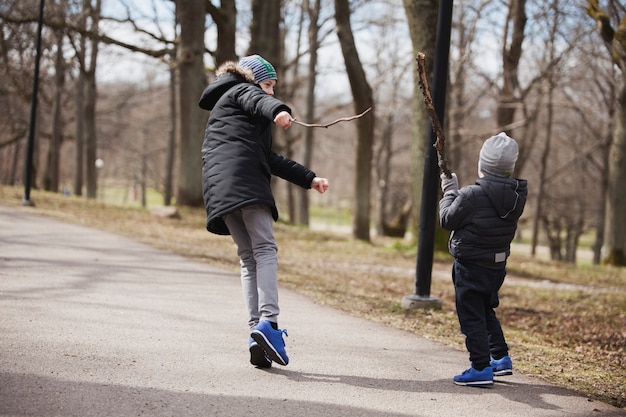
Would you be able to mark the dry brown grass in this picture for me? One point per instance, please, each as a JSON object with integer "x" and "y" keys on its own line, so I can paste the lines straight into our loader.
{"x": 564, "y": 323}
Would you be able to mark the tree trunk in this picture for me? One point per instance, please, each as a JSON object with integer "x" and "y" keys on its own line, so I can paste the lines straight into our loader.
{"x": 302, "y": 203}
{"x": 511, "y": 54}
{"x": 294, "y": 192}
{"x": 265, "y": 32}
{"x": 422, "y": 20}
{"x": 362, "y": 93}
{"x": 90, "y": 134}
{"x": 191, "y": 119}
{"x": 225, "y": 19}
{"x": 574, "y": 231}
{"x": 543, "y": 166}
{"x": 51, "y": 173}
{"x": 90, "y": 103}
{"x": 615, "y": 211}
{"x": 171, "y": 142}
{"x": 383, "y": 168}
{"x": 604, "y": 179}
{"x": 14, "y": 163}
{"x": 79, "y": 141}
{"x": 614, "y": 247}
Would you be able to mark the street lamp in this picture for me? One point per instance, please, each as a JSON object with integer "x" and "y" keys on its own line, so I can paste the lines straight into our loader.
{"x": 28, "y": 166}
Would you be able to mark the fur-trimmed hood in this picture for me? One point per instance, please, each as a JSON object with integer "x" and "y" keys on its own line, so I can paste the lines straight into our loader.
{"x": 228, "y": 75}
{"x": 234, "y": 68}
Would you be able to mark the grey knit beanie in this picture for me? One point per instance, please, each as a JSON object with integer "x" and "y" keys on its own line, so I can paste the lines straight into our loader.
{"x": 261, "y": 68}
{"x": 498, "y": 155}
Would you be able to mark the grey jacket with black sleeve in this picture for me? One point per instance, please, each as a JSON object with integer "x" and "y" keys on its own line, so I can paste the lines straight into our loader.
{"x": 483, "y": 219}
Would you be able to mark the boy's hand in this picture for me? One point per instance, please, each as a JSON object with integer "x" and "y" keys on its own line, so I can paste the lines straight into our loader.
{"x": 319, "y": 184}
{"x": 283, "y": 119}
{"x": 449, "y": 184}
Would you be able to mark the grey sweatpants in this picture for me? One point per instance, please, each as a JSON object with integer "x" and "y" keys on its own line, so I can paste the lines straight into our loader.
{"x": 252, "y": 230}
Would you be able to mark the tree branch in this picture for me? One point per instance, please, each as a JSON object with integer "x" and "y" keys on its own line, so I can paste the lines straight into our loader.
{"x": 343, "y": 119}
{"x": 428, "y": 100}
{"x": 61, "y": 24}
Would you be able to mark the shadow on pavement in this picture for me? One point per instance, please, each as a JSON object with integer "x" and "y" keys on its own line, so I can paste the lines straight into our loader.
{"x": 34, "y": 395}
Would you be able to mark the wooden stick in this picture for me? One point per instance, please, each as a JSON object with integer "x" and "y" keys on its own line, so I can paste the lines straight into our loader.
{"x": 343, "y": 119}
{"x": 428, "y": 100}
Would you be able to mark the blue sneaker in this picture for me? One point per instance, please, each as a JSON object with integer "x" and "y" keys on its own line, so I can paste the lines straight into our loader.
{"x": 271, "y": 341}
{"x": 473, "y": 378}
{"x": 258, "y": 357}
{"x": 502, "y": 366}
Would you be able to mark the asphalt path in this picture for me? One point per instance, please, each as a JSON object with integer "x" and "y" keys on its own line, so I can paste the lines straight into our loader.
{"x": 94, "y": 324}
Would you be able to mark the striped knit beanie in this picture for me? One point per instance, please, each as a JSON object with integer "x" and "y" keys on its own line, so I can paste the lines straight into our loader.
{"x": 262, "y": 69}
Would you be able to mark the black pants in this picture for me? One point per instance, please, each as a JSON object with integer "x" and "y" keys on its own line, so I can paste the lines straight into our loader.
{"x": 476, "y": 289}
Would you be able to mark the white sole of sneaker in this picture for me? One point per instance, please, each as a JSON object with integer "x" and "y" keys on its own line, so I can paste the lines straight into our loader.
{"x": 475, "y": 383}
{"x": 503, "y": 373}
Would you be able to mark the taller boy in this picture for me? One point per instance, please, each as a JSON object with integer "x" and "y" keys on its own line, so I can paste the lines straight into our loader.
{"x": 238, "y": 162}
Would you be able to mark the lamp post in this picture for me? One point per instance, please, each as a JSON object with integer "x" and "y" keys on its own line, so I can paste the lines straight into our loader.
{"x": 28, "y": 166}
{"x": 430, "y": 185}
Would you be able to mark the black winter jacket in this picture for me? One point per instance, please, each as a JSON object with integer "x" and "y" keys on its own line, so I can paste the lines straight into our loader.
{"x": 483, "y": 219}
{"x": 237, "y": 155}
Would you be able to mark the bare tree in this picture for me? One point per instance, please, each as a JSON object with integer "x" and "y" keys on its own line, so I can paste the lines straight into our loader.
{"x": 511, "y": 55}
{"x": 79, "y": 140}
{"x": 265, "y": 36}
{"x": 225, "y": 18}
{"x": 422, "y": 20}
{"x": 312, "y": 10}
{"x": 393, "y": 203}
{"x": 543, "y": 166}
{"x": 363, "y": 99}
{"x": 311, "y": 25}
{"x": 51, "y": 172}
{"x": 615, "y": 215}
{"x": 168, "y": 183}
{"x": 592, "y": 124}
{"x": 18, "y": 21}
{"x": 88, "y": 112}
{"x": 470, "y": 86}
{"x": 191, "y": 16}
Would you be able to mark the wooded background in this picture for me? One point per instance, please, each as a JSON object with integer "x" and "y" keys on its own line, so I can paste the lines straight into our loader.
{"x": 120, "y": 81}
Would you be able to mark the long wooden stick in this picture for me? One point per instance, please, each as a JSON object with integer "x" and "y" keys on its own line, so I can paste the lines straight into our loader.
{"x": 428, "y": 100}
{"x": 343, "y": 119}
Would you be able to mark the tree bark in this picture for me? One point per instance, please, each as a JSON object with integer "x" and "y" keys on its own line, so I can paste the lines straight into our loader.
{"x": 302, "y": 202}
{"x": 511, "y": 55}
{"x": 79, "y": 141}
{"x": 225, "y": 19}
{"x": 615, "y": 214}
{"x": 362, "y": 93}
{"x": 191, "y": 119}
{"x": 543, "y": 166}
{"x": 90, "y": 102}
{"x": 422, "y": 19}
{"x": 614, "y": 247}
{"x": 383, "y": 169}
{"x": 265, "y": 32}
{"x": 51, "y": 173}
{"x": 168, "y": 185}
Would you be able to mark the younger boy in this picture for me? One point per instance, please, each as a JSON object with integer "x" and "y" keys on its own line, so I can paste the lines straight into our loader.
{"x": 483, "y": 220}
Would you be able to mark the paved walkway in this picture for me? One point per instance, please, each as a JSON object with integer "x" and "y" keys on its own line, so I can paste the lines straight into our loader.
{"x": 93, "y": 324}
